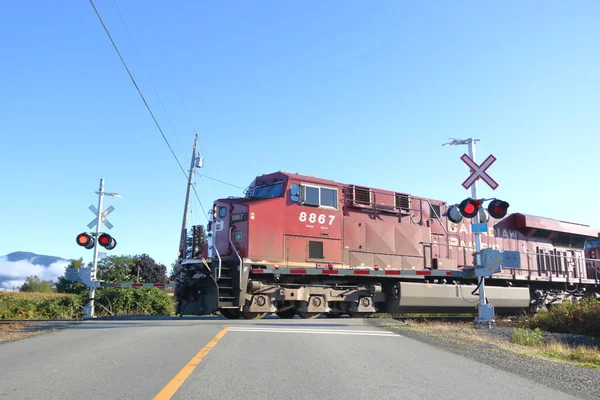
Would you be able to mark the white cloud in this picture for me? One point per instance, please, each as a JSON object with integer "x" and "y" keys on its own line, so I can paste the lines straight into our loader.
{"x": 14, "y": 273}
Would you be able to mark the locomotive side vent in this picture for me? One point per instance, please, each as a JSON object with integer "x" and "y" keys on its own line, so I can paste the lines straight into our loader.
{"x": 435, "y": 211}
{"x": 362, "y": 195}
{"x": 402, "y": 202}
{"x": 315, "y": 250}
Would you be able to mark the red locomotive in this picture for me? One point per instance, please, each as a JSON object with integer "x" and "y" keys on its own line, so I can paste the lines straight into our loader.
{"x": 302, "y": 245}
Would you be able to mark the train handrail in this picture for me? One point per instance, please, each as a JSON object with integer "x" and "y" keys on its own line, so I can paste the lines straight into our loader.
{"x": 219, "y": 257}
{"x": 579, "y": 264}
{"x": 437, "y": 217}
{"x": 238, "y": 256}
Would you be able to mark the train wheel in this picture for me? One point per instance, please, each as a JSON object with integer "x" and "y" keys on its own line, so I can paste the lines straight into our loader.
{"x": 230, "y": 313}
{"x": 309, "y": 315}
{"x": 286, "y": 314}
{"x": 253, "y": 315}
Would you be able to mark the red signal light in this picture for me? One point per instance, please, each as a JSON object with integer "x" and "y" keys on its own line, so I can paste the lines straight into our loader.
{"x": 107, "y": 241}
{"x": 469, "y": 207}
{"x": 85, "y": 240}
{"x": 498, "y": 208}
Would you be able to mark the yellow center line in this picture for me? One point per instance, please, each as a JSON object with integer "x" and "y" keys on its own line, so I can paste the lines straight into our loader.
{"x": 169, "y": 390}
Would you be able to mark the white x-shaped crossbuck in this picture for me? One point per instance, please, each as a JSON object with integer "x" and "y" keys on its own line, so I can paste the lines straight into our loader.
{"x": 478, "y": 171}
{"x": 102, "y": 217}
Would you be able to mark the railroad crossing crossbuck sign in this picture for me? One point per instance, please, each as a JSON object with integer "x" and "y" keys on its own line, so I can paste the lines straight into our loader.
{"x": 103, "y": 217}
{"x": 478, "y": 171}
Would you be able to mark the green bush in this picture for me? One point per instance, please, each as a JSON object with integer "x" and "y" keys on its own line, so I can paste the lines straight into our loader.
{"x": 109, "y": 301}
{"x": 142, "y": 301}
{"x": 568, "y": 317}
{"x": 527, "y": 337}
{"x": 28, "y": 305}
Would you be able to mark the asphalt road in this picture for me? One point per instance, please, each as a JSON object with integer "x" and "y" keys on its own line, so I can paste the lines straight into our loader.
{"x": 214, "y": 358}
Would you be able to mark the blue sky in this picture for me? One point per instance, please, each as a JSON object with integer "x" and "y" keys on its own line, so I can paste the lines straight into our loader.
{"x": 350, "y": 91}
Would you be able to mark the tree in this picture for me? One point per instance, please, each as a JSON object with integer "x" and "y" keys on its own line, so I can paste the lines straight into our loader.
{"x": 35, "y": 284}
{"x": 116, "y": 269}
{"x": 190, "y": 240}
{"x": 148, "y": 270}
{"x": 65, "y": 286}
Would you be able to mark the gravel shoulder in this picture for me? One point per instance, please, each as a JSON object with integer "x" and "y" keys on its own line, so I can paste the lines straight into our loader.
{"x": 12, "y": 331}
{"x": 492, "y": 347}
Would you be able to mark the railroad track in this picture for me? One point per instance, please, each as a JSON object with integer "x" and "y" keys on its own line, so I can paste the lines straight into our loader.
{"x": 504, "y": 320}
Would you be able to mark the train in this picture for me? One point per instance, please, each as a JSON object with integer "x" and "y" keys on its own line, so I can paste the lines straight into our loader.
{"x": 301, "y": 245}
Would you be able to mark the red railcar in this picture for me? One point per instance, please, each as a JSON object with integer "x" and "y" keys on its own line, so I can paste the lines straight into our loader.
{"x": 303, "y": 245}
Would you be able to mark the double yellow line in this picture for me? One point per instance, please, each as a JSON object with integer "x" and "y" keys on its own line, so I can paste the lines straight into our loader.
{"x": 169, "y": 390}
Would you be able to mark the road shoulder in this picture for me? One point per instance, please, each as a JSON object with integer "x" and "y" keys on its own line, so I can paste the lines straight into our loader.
{"x": 485, "y": 347}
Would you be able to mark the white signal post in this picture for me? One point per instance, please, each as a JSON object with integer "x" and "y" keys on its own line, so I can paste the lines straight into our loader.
{"x": 88, "y": 311}
{"x": 486, "y": 311}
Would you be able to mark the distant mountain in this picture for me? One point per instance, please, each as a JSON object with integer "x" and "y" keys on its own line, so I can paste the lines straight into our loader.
{"x": 33, "y": 258}
{"x": 16, "y": 267}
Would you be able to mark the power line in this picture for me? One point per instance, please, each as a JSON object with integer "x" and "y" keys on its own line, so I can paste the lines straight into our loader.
{"x": 225, "y": 183}
{"x": 152, "y": 114}
{"x": 146, "y": 70}
{"x": 166, "y": 59}
{"x": 138, "y": 89}
{"x": 201, "y": 206}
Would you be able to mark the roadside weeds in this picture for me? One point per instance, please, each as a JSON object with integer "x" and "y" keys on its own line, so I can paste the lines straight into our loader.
{"x": 517, "y": 340}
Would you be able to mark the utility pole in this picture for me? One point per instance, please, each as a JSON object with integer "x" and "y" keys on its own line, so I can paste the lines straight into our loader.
{"x": 183, "y": 241}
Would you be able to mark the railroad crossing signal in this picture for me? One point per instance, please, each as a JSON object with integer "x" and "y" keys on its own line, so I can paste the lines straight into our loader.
{"x": 85, "y": 240}
{"x": 107, "y": 241}
{"x": 469, "y": 208}
{"x": 498, "y": 208}
{"x": 478, "y": 171}
{"x": 103, "y": 217}
{"x": 88, "y": 241}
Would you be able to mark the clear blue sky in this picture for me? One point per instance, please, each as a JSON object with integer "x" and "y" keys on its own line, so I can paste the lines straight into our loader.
{"x": 350, "y": 91}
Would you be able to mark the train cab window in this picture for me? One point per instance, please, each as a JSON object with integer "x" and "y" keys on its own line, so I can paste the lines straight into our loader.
{"x": 295, "y": 192}
{"x": 268, "y": 191}
{"x": 311, "y": 195}
{"x": 316, "y": 196}
{"x": 222, "y": 212}
{"x": 329, "y": 197}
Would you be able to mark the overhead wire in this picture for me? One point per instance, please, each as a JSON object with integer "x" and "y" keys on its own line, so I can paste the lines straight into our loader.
{"x": 148, "y": 106}
{"x": 146, "y": 69}
{"x": 166, "y": 59}
{"x": 223, "y": 182}
{"x": 138, "y": 89}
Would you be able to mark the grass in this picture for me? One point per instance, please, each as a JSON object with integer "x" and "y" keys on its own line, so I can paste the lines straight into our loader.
{"x": 522, "y": 341}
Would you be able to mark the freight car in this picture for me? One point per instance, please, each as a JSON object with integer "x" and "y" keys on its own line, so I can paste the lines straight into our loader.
{"x": 301, "y": 245}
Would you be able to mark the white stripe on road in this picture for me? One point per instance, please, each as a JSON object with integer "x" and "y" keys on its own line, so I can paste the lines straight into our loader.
{"x": 314, "y": 331}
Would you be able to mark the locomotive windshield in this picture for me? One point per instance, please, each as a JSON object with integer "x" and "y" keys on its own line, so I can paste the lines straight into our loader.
{"x": 268, "y": 191}
{"x": 592, "y": 244}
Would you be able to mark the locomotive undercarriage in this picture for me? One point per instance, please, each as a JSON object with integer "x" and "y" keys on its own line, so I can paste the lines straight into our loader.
{"x": 311, "y": 300}
{"x": 202, "y": 289}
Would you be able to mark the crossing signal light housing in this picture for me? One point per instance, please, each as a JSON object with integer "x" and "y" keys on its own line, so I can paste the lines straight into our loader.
{"x": 107, "y": 241}
{"x": 469, "y": 207}
{"x": 498, "y": 208}
{"x": 85, "y": 240}
{"x": 454, "y": 214}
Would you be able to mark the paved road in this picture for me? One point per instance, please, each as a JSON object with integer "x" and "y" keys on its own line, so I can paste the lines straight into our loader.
{"x": 266, "y": 359}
